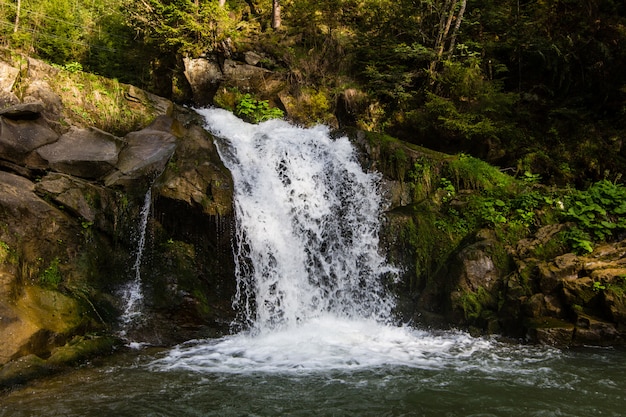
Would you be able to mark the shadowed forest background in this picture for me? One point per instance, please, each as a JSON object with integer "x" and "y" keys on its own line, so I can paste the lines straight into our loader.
{"x": 530, "y": 86}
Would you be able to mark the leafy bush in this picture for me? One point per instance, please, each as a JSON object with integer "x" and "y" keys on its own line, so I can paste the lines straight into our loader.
{"x": 599, "y": 214}
{"x": 256, "y": 111}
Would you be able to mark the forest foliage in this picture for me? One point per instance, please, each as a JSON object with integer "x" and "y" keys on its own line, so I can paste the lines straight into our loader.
{"x": 530, "y": 86}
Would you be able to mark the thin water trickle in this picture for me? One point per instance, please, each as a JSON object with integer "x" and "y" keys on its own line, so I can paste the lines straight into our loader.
{"x": 132, "y": 293}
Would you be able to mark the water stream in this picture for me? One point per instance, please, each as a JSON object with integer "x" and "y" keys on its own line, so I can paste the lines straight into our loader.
{"x": 315, "y": 335}
{"x": 132, "y": 293}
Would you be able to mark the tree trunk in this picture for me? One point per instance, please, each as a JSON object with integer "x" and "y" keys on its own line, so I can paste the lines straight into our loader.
{"x": 457, "y": 25}
{"x": 445, "y": 23}
{"x": 275, "y": 14}
{"x": 17, "y": 16}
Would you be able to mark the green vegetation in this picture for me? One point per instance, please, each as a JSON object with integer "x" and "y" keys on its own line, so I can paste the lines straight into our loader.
{"x": 599, "y": 214}
{"x": 535, "y": 87}
{"x": 256, "y": 111}
{"x": 7, "y": 255}
{"x": 51, "y": 276}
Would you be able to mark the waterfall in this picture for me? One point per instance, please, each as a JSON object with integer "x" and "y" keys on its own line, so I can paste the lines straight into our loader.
{"x": 132, "y": 293}
{"x": 311, "y": 283}
{"x": 307, "y": 225}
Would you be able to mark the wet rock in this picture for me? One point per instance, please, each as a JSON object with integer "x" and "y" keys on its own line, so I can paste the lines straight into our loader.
{"x": 80, "y": 349}
{"x": 22, "y": 370}
{"x": 197, "y": 176}
{"x": 552, "y": 332}
{"x": 593, "y": 331}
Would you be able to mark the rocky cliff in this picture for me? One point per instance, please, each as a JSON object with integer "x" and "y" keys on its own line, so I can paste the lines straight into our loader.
{"x": 77, "y": 156}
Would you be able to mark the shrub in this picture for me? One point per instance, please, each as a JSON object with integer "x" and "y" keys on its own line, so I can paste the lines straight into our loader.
{"x": 256, "y": 111}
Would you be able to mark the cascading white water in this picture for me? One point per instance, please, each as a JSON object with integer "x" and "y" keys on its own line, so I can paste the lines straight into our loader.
{"x": 132, "y": 293}
{"x": 307, "y": 225}
{"x": 310, "y": 278}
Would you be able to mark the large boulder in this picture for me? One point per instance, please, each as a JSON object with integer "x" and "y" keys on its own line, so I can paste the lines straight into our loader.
{"x": 85, "y": 153}
{"x": 36, "y": 238}
{"x": 197, "y": 177}
{"x": 475, "y": 281}
{"x": 204, "y": 76}
{"x": 145, "y": 154}
{"x": 581, "y": 295}
{"x": 23, "y": 131}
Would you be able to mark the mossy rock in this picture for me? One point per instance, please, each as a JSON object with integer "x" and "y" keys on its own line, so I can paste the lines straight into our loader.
{"x": 23, "y": 370}
{"x": 80, "y": 349}
{"x": 51, "y": 310}
{"x": 551, "y": 331}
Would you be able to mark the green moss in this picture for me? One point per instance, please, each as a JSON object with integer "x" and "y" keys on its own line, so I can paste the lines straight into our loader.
{"x": 7, "y": 255}
{"x": 51, "y": 276}
{"x": 80, "y": 349}
{"x": 476, "y": 305}
{"x": 552, "y": 248}
{"x": 474, "y": 174}
{"x": 392, "y": 158}
{"x": 431, "y": 243}
{"x": 202, "y": 306}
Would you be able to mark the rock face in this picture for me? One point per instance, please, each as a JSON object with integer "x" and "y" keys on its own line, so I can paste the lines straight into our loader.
{"x": 70, "y": 201}
{"x": 84, "y": 153}
{"x": 455, "y": 276}
{"x": 581, "y": 297}
{"x": 569, "y": 300}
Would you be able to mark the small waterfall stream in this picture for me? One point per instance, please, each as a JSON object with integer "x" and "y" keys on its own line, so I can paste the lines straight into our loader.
{"x": 132, "y": 293}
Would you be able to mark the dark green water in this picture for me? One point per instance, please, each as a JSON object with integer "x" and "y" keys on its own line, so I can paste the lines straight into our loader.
{"x": 506, "y": 381}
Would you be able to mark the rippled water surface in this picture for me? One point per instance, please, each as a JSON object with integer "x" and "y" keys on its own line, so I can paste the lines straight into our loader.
{"x": 475, "y": 378}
